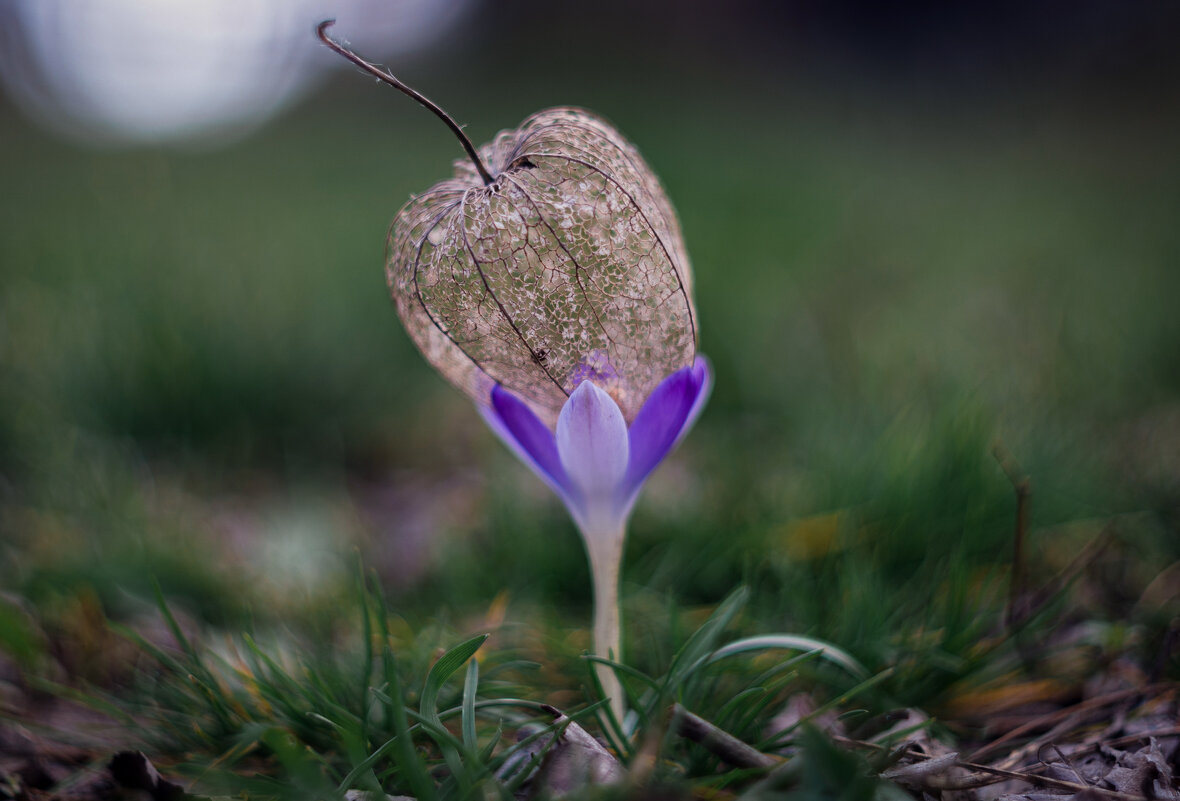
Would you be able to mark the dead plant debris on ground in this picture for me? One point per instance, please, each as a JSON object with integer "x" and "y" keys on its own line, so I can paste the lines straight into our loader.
{"x": 1122, "y": 745}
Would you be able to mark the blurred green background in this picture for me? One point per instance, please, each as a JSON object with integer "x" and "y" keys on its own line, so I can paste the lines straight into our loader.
{"x": 916, "y": 236}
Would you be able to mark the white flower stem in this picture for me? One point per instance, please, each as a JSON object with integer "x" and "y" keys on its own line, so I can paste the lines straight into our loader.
{"x": 604, "y": 545}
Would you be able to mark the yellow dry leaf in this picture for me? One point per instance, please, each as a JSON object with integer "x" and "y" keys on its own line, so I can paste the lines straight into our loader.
{"x": 810, "y": 537}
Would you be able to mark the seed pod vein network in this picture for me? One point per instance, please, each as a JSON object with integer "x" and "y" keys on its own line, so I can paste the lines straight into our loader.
{"x": 569, "y": 265}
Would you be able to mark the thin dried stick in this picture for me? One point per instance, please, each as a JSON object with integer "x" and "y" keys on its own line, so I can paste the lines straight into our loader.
{"x": 1020, "y": 483}
{"x": 430, "y": 105}
{"x": 720, "y": 742}
{"x": 1161, "y": 734}
{"x": 1045, "y": 781}
{"x": 1069, "y": 723}
{"x": 1173, "y": 731}
{"x": 1058, "y": 715}
{"x": 973, "y": 781}
{"x": 1067, "y": 761}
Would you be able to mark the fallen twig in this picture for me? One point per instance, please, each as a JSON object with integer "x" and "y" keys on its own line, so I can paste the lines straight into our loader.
{"x": 1020, "y": 483}
{"x": 1046, "y": 781}
{"x": 720, "y": 742}
{"x": 932, "y": 780}
{"x": 1058, "y": 715}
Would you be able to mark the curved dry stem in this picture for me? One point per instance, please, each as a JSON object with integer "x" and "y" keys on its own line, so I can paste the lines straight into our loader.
{"x": 387, "y": 77}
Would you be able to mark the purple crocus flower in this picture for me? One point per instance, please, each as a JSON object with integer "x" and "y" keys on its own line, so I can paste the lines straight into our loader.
{"x": 594, "y": 461}
{"x": 597, "y": 465}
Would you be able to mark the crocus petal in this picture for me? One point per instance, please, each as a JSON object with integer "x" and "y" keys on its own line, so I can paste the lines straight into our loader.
{"x": 700, "y": 368}
{"x": 524, "y": 433}
{"x": 592, "y": 444}
{"x": 665, "y": 418}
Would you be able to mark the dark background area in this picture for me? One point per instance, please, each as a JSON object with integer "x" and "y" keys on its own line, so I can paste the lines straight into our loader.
{"x": 918, "y": 230}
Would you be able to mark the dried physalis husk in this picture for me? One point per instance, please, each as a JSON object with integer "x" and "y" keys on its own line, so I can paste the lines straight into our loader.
{"x": 553, "y": 256}
{"x": 569, "y": 265}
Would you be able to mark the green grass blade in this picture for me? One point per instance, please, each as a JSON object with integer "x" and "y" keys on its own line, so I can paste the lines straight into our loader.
{"x": 791, "y": 642}
{"x": 624, "y": 670}
{"x": 470, "y": 686}
{"x": 367, "y": 649}
{"x": 612, "y": 727}
{"x": 409, "y": 764}
{"x": 173, "y": 626}
{"x": 777, "y": 739}
{"x": 442, "y": 670}
{"x": 692, "y": 654}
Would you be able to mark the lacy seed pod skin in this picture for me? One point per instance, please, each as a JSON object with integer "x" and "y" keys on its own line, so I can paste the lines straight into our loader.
{"x": 568, "y": 266}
